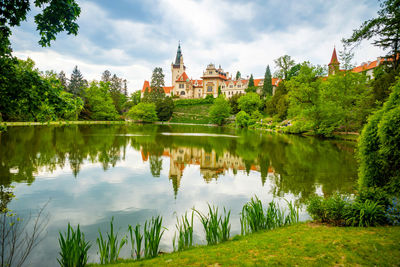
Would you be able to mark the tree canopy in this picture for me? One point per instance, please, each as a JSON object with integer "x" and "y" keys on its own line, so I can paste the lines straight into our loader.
{"x": 267, "y": 85}
{"x": 283, "y": 64}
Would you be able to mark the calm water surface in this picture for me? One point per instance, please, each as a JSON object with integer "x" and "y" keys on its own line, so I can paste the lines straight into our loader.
{"x": 91, "y": 173}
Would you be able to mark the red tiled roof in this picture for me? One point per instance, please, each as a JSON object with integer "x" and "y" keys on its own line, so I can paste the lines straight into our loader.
{"x": 146, "y": 84}
{"x": 183, "y": 78}
{"x": 199, "y": 83}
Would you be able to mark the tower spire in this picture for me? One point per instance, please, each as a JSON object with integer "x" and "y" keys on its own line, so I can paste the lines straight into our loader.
{"x": 178, "y": 54}
{"x": 334, "y": 64}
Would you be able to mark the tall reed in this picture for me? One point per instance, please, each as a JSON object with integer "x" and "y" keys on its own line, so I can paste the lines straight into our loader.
{"x": 185, "y": 233}
{"x": 110, "y": 248}
{"x": 216, "y": 228}
{"x": 73, "y": 248}
{"x": 138, "y": 238}
{"x": 152, "y": 237}
{"x": 255, "y": 218}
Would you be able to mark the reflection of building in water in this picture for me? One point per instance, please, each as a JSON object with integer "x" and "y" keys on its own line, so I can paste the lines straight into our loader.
{"x": 211, "y": 164}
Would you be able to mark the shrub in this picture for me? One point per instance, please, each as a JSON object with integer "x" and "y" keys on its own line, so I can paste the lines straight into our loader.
{"x": 73, "y": 248}
{"x": 378, "y": 149}
{"x": 363, "y": 214}
{"x": 331, "y": 210}
{"x": 393, "y": 212}
{"x": 165, "y": 108}
{"x": 191, "y": 102}
{"x": 145, "y": 112}
{"x": 220, "y": 111}
{"x": 249, "y": 102}
{"x": 375, "y": 194}
{"x": 233, "y": 102}
{"x": 242, "y": 119}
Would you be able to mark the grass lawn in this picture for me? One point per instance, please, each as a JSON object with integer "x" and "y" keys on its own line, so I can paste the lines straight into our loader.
{"x": 304, "y": 244}
{"x": 192, "y": 114}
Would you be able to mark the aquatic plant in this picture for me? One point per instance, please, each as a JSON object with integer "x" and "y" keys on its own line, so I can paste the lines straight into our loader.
{"x": 152, "y": 237}
{"x": 138, "y": 238}
{"x": 255, "y": 218}
{"x": 185, "y": 233}
{"x": 110, "y": 247}
{"x": 73, "y": 248}
{"x": 217, "y": 229}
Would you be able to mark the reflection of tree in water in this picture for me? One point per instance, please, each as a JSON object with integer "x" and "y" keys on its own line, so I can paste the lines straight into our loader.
{"x": 292, "y": 164}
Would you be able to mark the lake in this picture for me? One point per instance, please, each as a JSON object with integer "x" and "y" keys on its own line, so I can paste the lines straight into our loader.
{"x": 91, "y": 173}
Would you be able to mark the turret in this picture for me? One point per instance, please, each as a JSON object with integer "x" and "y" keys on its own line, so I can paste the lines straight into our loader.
{"x": 177, "y": 67}
{"x": 334, "y": 64}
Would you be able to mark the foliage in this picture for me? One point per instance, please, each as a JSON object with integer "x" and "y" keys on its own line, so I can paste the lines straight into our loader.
{"x": 378, "y": 149}
{"x": 74, "y": 248}
{"x": 190, "y": 102}
{"x": 255, "y": 218}
{"x": 279, "y": 104}
{"x": 145, "y": 112}
{"x": 165, "y": 108}
{"x": 220, "y": 111}
{"x": 331, "y": 210}
{"x": 267, "y": 85}
{"x": 242, "y": 119}
{"x": 384, "y": 30}
{"x": 152, "y": 237}
{"x": 156, "y": 92}
{"x": 293, "y": 71}
{"x": 77, "y": 83}
{"x": 384, "y": 78}
{"x": 364, "y": 214}
{"x": 217, "y": 228}
{"x": 233, "y": 102}
{"x": 135, "y": 240}
{"x": 251, "y": 82}
{"x": 250, "y": 102}
{"x": 99, "y": 103}
{"x": 110, "y": 248}
{"x": 185, "y": 233}
{"x": 393, "y": 212}
{"x": 284, "y": 65}
{"x": 238, "y": 75}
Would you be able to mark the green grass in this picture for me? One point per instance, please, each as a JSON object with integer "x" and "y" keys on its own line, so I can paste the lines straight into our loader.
{"x": 192, "y": 114}
{"x": 304, "y": 244}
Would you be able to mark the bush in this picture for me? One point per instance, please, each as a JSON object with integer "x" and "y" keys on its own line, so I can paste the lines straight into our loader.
{"x": 330, "y": 210}
{"x": 220, "y": 111}
{"x": 233, "y": 102}
{"x": 379, "y": 150}
{"x": 190, "y": 102}
{"x": 250, "y": 102}
{"x": 165, "y": 108}
{"x": 375, "y": 194}
{"x": 242, "y": 119}
{"x": 393, "y": 212}
{"x": 145, "y": 112}
{"x": 363, "y": 214}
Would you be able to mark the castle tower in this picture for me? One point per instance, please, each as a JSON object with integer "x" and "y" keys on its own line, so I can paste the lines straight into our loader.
{"x": 177, "y": 67}
{"x": 334, "y": 64}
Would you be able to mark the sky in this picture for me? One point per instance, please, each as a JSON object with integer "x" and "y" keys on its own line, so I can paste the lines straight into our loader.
{"x": 132, "y": 37}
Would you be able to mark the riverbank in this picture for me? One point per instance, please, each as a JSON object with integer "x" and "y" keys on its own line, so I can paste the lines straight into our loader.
{"x": 304, "y": 244}
{"x": 32, "y": 123}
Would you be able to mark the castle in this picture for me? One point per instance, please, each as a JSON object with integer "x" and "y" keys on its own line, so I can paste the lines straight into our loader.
{"x": 213, "y": 79}
{"x": 208, "y": 84}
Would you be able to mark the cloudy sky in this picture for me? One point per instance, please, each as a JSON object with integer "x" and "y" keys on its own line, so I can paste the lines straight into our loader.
{"x": 131, "y": 37}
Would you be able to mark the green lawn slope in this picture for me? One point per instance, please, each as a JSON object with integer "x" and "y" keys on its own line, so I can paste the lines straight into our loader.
{"x": 304, "y": 244}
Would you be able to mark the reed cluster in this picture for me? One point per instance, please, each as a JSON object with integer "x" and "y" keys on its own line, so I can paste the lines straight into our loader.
{"x": 184, "y": 228}
{"x": 255, "y": 218}
{"x": 110, "y": 247}
{"x": 73, "y": 248}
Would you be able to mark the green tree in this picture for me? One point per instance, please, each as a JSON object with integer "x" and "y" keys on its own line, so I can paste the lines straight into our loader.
{"x": 283, "y": 64}
{"x": 157, "y": 83}
{"x": 233, "y": 102}
{"x": 242, "y": 119}
{"x": 249, "y": 102}
{"x": 384, "y": 30}
{"x": 144, "y": 112}
{"x": 77, "y": 83}
{"x": 99, "y": 103}
{"x": 238, "y": 75}
{"x": 378, "y": 149}
{"x": 267, "y": 85}
{"x": 220, "y": 111}
{"x": 251, "y": 81}
{"x": 54, "y": 17}
{"x": 106, "y": 76}
{"x": 165, "y": 108}
{"x": 293, "y": 71}
{"x": 63, "y": 80}
{"x": 278, "y": 105}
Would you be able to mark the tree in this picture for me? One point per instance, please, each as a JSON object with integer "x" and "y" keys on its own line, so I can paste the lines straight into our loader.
{"x": 384, "y": 30}
{"x": 379, "y": 150}
{"x": 106, "y": 76}
{"x": 238, "y": 75}
{"x": 294, "y": 71}
{"x": 144, "y": 112}
{"x": 278, "y": 105}
{"x": 99, "y": 103}
{"x": 63, "y": 80}
{"x": 242, "y": 119}
{"x": 220, "y": 111}
{"x": 77, "y": 84}
{"x": 251, "y": 81}
{"x": 267, "y": 85}
{"x": 165, "y": 108}
{"x": 55, "y": 16}
{"x": 157, "y": 83}
{"x": 233, "y": 102}
{"x": 283, "y": 64}
{"x": 249, "y": 102}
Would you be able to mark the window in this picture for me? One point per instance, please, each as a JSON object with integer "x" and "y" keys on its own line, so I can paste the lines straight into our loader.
{"x": 181, "y": 85}
{"x": 182, "y": 92}
{"x": 210, "y": 72}
{"x": 209, "y": 88}
{"x": 239, "y": 86}
{"x": 231, "y": 86}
